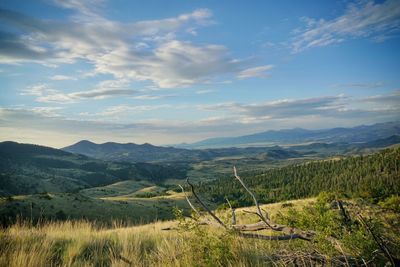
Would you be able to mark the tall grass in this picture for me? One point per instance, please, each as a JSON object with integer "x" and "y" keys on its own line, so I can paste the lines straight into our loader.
{"x": 82, "y": 243}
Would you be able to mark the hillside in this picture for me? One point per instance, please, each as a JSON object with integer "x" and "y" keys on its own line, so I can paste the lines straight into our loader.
{"x": 361, "y": 133}
{"x": 372, "y": 176}
{"x": 30, "y": 169}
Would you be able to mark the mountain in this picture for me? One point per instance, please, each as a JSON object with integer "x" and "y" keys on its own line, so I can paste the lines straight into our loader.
{"x": 295, "y": 143}
{"x": 380, "y": 143}
{"x": 363, "y": 133}
{"x": 29, "y": 169}
{"x": 131, "y": 152}
{"x": 149, "y": 153}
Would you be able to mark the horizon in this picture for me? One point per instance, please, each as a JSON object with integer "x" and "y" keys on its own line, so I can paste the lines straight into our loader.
{"x": 198, "y": 141}
{"x": 131, "y": 72}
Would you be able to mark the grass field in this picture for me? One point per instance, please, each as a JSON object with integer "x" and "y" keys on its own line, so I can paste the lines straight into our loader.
{"x": 136, "y": 203}
{"x": 80, "y": 243}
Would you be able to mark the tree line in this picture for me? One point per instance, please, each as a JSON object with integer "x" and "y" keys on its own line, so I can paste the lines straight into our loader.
{"x": 374, "y": 176}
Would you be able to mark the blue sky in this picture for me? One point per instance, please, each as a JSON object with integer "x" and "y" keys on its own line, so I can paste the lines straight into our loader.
{"x": 181, "y": 71}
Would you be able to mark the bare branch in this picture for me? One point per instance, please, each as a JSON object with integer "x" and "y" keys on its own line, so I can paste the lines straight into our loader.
{"x": 250, "y": 227}
{"x": 188, "y": 201}
{"x": 265, "y": 219}
{"x": 289, "y": 233}
{"x": 204, "y": 206}
{"x": 274, "y": 237}
{"x": 233, "y": 212}
{"x": 343, "y": 212}
{"x": 379, "y": 242}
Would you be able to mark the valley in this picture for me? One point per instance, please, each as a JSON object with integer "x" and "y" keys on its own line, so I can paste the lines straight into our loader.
{"x": 92, "y": 207}
{"x": 113, "y": 182}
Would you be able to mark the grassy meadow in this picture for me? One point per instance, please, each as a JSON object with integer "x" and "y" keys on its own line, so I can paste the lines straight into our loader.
{"x": 83, "y": 243}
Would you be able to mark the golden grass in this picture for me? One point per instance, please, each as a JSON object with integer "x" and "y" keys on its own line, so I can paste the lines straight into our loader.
{"x": 81, "y": 243}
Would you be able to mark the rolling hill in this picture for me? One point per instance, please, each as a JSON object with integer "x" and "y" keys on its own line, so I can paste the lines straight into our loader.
{"x": 29, "y": 169}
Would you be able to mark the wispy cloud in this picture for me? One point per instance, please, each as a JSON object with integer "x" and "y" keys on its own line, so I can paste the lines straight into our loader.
{"x": 205, "y": 91}
{"x": 127, "y": 110}
{"x": 359, "y": 85}
{"x": 152, "y": 97}
{"x": 255, "y": 72}
{"x": 328, "y": 107}
{"x": 105, "y": 89}
{"x": 281, "y": 108}
{"x": 384, "y": 100}
{"x": 62, "y": 78}
{"x": 38, "y": 90}
{"x": 363, "y": 19}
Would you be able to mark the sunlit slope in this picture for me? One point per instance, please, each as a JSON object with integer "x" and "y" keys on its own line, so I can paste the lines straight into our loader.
{"x": 84, "y": 244}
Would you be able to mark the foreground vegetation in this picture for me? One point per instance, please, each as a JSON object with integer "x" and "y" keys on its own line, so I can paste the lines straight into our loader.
{"x": 81, "y": 243}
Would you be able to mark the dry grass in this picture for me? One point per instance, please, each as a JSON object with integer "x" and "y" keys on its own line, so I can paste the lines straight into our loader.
{"x": 81, "y": 243}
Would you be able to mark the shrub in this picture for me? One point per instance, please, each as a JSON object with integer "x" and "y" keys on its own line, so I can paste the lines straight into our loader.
{"x": 391, "y": 203}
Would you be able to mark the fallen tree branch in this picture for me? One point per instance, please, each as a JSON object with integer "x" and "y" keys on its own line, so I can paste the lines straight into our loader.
{"x": 289, "y": 232}
{"x": 203, "y": 205}
{"x": 379, "y": 242}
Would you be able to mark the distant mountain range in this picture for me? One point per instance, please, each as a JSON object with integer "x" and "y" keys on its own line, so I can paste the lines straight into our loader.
{"x": 363, "y": 133}
{"x": 292, "y": 144}
{"x": 130, "y": 151}
{"x": 150, "y": 153}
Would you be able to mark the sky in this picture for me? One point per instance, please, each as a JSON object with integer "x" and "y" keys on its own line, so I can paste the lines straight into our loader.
{"x": 168, "y": 72}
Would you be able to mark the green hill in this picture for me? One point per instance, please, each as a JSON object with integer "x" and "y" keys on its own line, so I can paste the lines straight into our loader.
{"x": 369, "y": 176}
{"x": 30, "y": 169}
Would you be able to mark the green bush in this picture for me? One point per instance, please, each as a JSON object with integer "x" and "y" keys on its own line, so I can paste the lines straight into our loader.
{"x": 335, "y": 235}
{"x": 391, "y": 203}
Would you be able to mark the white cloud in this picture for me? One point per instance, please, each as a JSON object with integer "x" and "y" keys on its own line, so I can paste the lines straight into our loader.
{"x": 47, "y": 111}
{"x": 62, "y": 78}
{"x": 152, "y": 97}
{"x": 38, "y": 90}
{"x": 129, "y": 109}
{"x": 87, "y": 7}
{"x": 145, "y": 50}
{"x": 363, "y": 19}
{"x": 105, "y": 89}
{"x": 206, "y": 91}
{"x": 142, "y": 51}
{"x": 255, "y": 72}
{"x": 172, "y": 64}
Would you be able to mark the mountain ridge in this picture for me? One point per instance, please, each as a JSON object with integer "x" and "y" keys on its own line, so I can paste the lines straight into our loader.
{"x": 360, "y": 133}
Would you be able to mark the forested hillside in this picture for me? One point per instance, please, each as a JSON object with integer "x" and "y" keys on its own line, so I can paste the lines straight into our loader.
{"x": 372, "y": 176}
{"x": 30, "y": 169}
